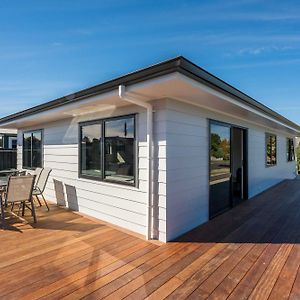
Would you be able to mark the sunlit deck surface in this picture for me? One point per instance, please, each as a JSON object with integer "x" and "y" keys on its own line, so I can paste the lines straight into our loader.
{"x": 252, "y": 251}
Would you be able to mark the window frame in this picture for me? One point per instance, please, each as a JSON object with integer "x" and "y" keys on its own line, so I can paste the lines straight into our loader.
{"x": 288, "y": 139}
{"x": 267, "y": 136}
{"x": 102, "y": 147}
{"x": 2, "y": 138}
{"x": 42, "y": 148}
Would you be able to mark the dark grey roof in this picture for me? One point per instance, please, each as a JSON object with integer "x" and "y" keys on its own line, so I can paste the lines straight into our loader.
{"x": 177, "y": 64}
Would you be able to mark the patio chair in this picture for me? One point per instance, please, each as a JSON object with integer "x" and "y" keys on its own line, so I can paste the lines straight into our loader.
{"x": 41, "y": 184}
{"x": 19, "y": 190}
{"x": 37, "y": 172}
{"x": 21, "y": 173}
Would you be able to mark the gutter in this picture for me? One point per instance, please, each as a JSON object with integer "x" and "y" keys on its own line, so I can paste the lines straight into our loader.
{"x": 149, "y": 110}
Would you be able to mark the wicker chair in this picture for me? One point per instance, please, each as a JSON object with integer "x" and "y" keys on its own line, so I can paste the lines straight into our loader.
{"x": 19, "y": 190}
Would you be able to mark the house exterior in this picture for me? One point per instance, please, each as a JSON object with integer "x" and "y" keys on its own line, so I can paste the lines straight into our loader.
{"x": 8, "y": 149}
{"x": 158, "y": 151}
{"x": 8, "y": 138}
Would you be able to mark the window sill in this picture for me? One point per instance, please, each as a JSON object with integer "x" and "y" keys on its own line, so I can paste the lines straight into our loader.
{"x": 108, "y": 183}
{"x": 270, "y": 166}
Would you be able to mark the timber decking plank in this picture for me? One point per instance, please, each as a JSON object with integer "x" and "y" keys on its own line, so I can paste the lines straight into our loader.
{"x": 57, "y": 280}
{"x": 113, "y": 245}
{"x": 155, "y": 257}
{"x": 264, "y": 286}
{"x": 233, "y": 278}
{"x": 285, "y": 281}
{"x": 295, "y": 292}
{"x": 251, "y": 251}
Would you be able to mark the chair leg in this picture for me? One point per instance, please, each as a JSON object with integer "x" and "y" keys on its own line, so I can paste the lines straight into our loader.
{"x": 38, "y": 200}
{"x": 20, "y": 205}
{"x": 23, "y": 209}
{"x": 12, "y": 206}
{"x": 2, "y": 214}
{"x": 45, "y": 202}
{"x": 33, "y": 210}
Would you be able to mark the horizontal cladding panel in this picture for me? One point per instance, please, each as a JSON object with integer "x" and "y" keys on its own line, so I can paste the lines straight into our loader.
{"x": 184, "y": 162}
{"x": 114, "y": 220}
{"x": 70, "y": 159}
{"x": 187, "y": 192}
{"x": 190, "y": 117}
{"x": 68, "y": 151}
{"x": 184, "y": 140}
{"x": 186, "y": 129}
{"x": 74, "y": 201}
{"x": 102, "y": 211}
{"x": 109, "y": 200}
{"x": 101, "y": 188}
{"x": 61, "y": 166}
{"x": 184, "y": 152}
{"x": 61, "y": 146}
{"x": 197, "y": 217}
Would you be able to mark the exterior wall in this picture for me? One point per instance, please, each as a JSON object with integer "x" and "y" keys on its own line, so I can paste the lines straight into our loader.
{"x": 118, "y": 204}
{"x": 187, "y": 164}
{"x": 181, "y": 190}
{"x": 260, "y": 176}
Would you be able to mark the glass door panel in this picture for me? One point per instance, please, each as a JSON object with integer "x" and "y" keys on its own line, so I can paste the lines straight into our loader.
{"x": 220, "y": 168}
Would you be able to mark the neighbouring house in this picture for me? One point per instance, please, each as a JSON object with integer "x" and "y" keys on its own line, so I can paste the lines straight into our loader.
{"x": 8, "y": 149}
{"x": 8, "y": 138}
{"x": 158, "y": 151}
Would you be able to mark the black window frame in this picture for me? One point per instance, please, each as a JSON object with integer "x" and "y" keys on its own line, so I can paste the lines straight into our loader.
{"x": 267, "y": 139}
{"x": 290, "y": 150}
{"x": 42, "y": 149}
{"x": 102, "y": 145}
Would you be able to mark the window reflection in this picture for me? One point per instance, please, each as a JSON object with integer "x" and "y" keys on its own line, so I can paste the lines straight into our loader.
{"x": 119, "y": 150}
{"x": 32, "y": 149}
{"x": 219, "y": 154}
{"x": 91, "y": 150}
{"x": 271, "y": 149}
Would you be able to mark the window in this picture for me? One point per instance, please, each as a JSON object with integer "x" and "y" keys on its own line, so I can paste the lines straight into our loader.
{"x": 91, "y": 150}
{"x": 271, "y": 149}
{"x": 107, "y": 150}
{"x": 32, "y": 149}
{"x": 1, "y": 141}
{"x": 12, "y": 142}
{"x": 290, "y": 150}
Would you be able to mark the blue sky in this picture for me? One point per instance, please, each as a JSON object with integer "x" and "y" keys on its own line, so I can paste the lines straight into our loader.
{"x": 51, "y": 48}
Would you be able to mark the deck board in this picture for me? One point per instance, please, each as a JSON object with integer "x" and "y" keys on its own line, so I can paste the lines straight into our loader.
{"x": 251, "y": 251}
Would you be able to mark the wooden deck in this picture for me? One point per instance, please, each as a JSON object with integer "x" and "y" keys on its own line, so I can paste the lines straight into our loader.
{"x": 252, "y": 251}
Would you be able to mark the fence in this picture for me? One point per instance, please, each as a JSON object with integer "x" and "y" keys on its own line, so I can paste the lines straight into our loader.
{"x": 8, "y": 159}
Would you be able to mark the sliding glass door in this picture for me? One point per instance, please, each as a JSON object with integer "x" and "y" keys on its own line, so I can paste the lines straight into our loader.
{"x": 220, "y": 168}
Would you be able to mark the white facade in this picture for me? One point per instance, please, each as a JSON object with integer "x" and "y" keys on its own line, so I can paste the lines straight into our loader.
{"x": 125, "y": 206}
{"x": 181, "y": 190}
{"x": 185, "y": 98}
{"x": 188, "y": 159}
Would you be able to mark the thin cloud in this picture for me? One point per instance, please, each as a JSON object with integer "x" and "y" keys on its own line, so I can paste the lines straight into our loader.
{"x": 263, "y": 50}
{"x": 270, "y": 63}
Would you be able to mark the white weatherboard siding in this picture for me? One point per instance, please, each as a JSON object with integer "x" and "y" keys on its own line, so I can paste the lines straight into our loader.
{"x": 121, "y": 205}
{"x": 187, "y": 164}
{"x": 181, "y": 190}
{"x": 260, "y": 176}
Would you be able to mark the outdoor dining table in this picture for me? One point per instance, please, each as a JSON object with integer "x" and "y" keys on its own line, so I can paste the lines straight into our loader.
{"x": 7, "y": 172}
{"x": 3, "y": 182}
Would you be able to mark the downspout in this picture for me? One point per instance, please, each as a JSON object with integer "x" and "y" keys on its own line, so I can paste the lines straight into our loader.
{"x": 149, "y": 110}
